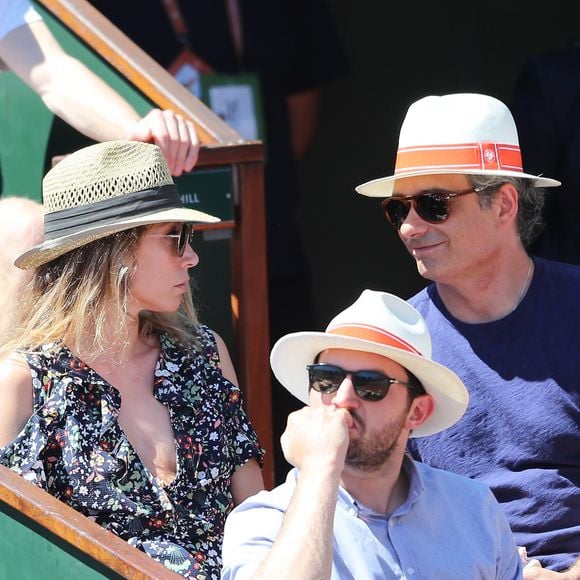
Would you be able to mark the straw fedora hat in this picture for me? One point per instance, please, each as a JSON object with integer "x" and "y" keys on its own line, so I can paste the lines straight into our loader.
{"x": 463, "y": 133}
{"x": 103, "y": 189}
{"x": 382, "y": 324}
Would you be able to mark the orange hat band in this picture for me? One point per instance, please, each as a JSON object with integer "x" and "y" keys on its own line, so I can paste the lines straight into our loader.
{"x": 373, "y": 334}
{"x": 465, "y": 157}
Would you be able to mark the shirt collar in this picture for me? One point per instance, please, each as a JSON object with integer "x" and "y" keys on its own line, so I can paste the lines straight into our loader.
{"x": 416, "y": 488}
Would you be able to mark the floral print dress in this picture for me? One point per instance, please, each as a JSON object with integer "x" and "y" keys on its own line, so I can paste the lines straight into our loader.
{"x": 74, "y": 448}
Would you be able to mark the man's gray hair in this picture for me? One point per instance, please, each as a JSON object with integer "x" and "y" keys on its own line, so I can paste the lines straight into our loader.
{"x": 530, "y": 202}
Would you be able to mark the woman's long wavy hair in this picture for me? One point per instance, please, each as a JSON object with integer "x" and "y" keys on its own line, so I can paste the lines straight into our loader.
{"x": 75, "y": 300}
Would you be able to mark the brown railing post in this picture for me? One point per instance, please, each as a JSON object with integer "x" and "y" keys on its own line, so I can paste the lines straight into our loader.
{"x": 250, "y": 303}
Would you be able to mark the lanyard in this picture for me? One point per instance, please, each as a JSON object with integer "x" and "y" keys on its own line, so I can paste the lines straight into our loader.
{"x": 182, "y": 34}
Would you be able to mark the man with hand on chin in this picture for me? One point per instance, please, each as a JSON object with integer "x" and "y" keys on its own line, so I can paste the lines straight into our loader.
{"x": 356, "y": 506}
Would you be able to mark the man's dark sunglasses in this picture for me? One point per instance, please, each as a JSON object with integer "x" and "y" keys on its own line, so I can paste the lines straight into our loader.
{"x": 368, "y": 385}
{"x": 431, "y": 205}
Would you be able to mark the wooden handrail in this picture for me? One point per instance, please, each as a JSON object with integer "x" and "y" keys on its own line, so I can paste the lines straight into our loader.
{"x": 140, "y": 69}
{"x": 77, "y": 530}
{"x": 250, "y": 151}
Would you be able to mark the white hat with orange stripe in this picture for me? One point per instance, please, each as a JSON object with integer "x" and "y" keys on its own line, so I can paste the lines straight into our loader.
{"x": 382, "y": 324}
{"x": 463, "y": 133}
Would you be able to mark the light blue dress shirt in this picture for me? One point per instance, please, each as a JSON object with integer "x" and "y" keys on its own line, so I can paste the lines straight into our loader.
{"x": 450, "y": 527}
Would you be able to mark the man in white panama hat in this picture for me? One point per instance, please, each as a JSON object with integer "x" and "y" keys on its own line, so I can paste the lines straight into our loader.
{"x": 356, "y": 506}
{"x": 507, "y": 323}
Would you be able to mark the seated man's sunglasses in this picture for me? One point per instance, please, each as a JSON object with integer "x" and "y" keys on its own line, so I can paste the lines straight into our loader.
{"x": 431, "y": 205}
{"x": 368, "y": 385}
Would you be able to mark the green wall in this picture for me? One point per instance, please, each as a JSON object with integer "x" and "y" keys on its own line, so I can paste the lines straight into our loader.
{"x": 29, "y": 552}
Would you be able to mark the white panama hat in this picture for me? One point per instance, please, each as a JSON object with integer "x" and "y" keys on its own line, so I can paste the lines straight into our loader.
{"x": 103, "y": 189}
{"x": 464, "y": 133}
{"x": 382, "y": 324}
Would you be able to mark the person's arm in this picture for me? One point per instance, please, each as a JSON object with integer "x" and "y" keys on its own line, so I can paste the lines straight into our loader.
{"x": 534, "y": 571}
{"x": 226, "y": 365}
{"x": 315, "y": 441}
{"x": 78, "y": 96}
{"x": 247, "y": 480}
{"x": 303, "y": 109}
{"x": 16, "y": 403}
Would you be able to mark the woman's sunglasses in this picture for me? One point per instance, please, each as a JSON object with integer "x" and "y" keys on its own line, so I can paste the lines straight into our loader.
{"x": 368, "y": 385}
{"x": 431, "y": 206}
{"x": 184, "y": 237}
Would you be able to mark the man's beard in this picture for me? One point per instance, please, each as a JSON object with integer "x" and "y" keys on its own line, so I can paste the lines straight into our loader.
{"x": 371, "y": 451}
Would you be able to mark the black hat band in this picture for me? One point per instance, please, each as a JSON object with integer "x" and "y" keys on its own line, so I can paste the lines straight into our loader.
{"x": 110, "y": 211}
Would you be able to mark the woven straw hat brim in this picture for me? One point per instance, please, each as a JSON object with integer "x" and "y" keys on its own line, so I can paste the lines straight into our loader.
{"x": 52, "y": 249}
{"x": 293, "y": 352}
{"x": 383, "y": 186}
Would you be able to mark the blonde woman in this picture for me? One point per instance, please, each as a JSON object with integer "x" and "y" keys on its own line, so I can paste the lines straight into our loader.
{"x": 113, "y": 397}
